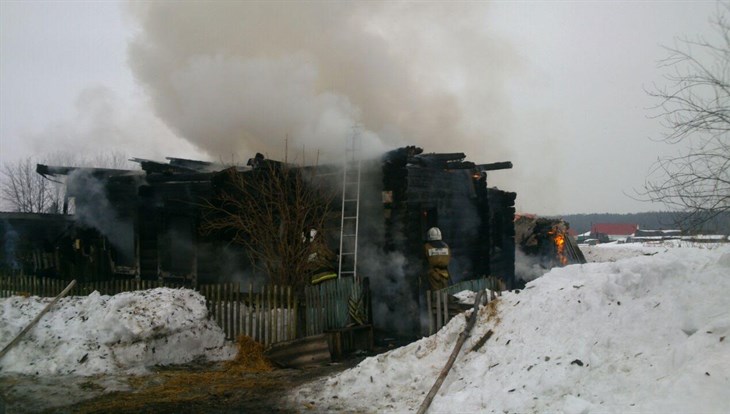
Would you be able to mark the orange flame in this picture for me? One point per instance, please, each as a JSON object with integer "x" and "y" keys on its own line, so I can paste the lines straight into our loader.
{"x": 559, "y": 240}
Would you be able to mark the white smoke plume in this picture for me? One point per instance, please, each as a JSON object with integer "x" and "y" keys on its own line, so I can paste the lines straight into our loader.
{"x": 527, "y": 268}
{"x": 93, "y": 209}
{"x": 235, "y": 78}
{"x": 104, "y": 123}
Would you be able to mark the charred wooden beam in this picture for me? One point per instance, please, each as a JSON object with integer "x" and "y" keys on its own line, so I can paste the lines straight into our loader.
{"x": 152, "y": 167}
{"x": 444, "y": 157}
{"x": 506, "y": 165}
{"x": 53, "y": 171}
{"x": 200, "y": 166}
{"x": 437, "y": 160}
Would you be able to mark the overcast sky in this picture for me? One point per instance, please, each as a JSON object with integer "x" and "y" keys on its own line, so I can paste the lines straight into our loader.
{"x": 555, "y": 87}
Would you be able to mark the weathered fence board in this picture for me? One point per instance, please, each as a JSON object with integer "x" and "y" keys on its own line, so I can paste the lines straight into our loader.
{"x": 267, "y": 315}
{"x": 441, "y": 309}
{"x": 326, "y": 305}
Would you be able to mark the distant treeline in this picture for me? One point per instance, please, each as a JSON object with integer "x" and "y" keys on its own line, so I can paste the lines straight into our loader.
{"x": 656, "y": 220}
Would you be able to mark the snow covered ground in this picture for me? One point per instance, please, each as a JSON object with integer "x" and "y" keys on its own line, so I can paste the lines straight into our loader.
{"x": 96, "y": 334}
{"x": 644, "y": 329}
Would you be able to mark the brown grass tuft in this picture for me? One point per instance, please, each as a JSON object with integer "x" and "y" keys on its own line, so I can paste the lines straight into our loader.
{"x": 181, "y": 385}
{"x": 250, "y": 357}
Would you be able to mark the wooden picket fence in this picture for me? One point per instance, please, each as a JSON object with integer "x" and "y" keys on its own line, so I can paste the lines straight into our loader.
{"x": 269, "y": 315}
{"x": 326, "y": 304}
{"x": 46, "y": 287}
{"x": 441, "y": 309}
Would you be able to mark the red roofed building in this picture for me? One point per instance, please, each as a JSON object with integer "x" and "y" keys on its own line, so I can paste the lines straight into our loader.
{"x": 614, "y": 231}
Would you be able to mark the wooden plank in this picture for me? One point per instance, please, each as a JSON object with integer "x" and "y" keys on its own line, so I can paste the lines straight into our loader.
{"x": 231, "y": 312}
{"x": 429, "y": 302}
{"x": 259, "y": 317}
{"x": 36, "y": 319}
{"x": 237, "y": 320}
{"x": 295, "y": 318}
{"x": 249, "y": 330}
{"x": 445, "y": 301}
{"x": 267, "y": 322}
{"x": 275, "y": 336}
{"x": 439, "y": 315}
{"x": 218, "y": 304}
{"x": 225, "y": 314}
{"x": 308, "y": 351}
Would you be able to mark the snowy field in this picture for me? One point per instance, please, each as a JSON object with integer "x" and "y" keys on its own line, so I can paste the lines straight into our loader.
{"x": 120, "y": 334}
{"x": 641, "y": 329}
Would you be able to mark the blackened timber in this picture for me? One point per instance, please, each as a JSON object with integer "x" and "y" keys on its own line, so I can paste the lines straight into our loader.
{"x": 200, "y": 166}
{"x": 152, "y": 167}
{"x": 50, "y": 170}
{"x": 444, "y": 157}
{"x": 506, "y": 165}
{"x": 437, "y": 160}
{"x": 430, "y": 184}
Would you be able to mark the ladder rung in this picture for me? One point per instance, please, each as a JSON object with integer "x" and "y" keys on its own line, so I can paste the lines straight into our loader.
{"x": 350, "y": 218}
{"x": 347, "y": 254}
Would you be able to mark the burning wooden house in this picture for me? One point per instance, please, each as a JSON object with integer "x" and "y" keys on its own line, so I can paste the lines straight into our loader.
{"x": 146, "y": 224}
{"x": 544, "y": 243}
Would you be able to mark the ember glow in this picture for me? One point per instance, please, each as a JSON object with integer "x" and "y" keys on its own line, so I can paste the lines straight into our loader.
{"x": 559, "y": 241}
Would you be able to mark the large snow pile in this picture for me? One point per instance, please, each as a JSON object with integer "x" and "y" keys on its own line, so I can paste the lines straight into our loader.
{"x": 95, "y": 334}
{"x": 641, "y": 334}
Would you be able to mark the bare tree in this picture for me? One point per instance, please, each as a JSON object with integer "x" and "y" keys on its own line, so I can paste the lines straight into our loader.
{"x": 26, "y": 191}
{"x": 270, "y": 211}
{"x": 694, "y": 106}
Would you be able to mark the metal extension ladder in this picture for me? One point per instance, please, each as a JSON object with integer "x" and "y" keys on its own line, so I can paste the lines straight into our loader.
{"x": 350, "y": 206}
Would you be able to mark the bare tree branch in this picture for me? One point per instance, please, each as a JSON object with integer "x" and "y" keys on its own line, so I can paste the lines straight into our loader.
{"x": 268, "y": 210}
{"x": 694, "y": 107}
{"x": 24, "y": 190}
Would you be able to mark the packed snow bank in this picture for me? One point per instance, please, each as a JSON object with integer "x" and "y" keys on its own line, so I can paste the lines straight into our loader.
{"x": 611, "y": 252}
{"x": 94, "y": 334}
{"x": 643, "y": 334}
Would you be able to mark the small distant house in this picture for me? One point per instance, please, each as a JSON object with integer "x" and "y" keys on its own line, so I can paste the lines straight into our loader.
{"x": 655, "y": 235}
{"x": 613, "y": 231}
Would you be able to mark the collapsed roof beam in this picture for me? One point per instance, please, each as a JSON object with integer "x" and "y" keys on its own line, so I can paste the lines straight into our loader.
{"x": 55, "y": 171}
{"x": 505, "y": 165}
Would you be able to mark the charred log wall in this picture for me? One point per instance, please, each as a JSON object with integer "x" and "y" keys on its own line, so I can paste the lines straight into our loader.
{"x": 502, "y": 235}
{"x": 475, "y": 221}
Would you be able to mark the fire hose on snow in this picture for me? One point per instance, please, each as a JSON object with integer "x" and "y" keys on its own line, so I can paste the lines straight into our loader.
{"x": 459, "y": 343}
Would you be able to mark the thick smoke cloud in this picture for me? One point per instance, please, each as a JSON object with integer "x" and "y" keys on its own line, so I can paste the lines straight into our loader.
{"x": 234, "y": 78}
{"x": 105, "y": 123}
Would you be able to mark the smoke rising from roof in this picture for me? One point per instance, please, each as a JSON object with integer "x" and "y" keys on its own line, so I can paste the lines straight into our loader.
{"x": 235, "y": 78}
